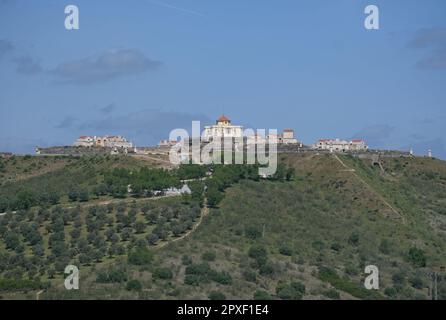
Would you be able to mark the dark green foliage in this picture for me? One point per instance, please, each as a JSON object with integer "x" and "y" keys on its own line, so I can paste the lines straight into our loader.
{"x": 208, "y": 256}
{"x": 262, "y": 295}
{"x": 292, "y": 291}
{"x": 329, "y": 275}
{"x": 216, "y": 295}
{"x": 134, "y": 285}
{"x": 250, "y": 275}
{"x": 20, "y": 284}
{"x": 162, "y": 273}
{"x": 259, "y": 254}
{"x": 252, "y": 232}
{"x": 417, "y": 257}
{"x": 111, "y": 276}
{"x": 140, "y": 256}
{"x": 332, "y": 294}
{"x": 285, "y": 249}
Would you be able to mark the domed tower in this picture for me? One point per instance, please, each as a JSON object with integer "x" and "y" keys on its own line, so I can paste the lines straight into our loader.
{"x": 223, "y": 120}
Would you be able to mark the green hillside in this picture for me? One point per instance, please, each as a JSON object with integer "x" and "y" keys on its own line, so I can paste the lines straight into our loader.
{"x": 306, "y": 235}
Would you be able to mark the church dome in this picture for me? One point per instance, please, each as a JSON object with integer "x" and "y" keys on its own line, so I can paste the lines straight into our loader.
{"x": 223, "y": 118}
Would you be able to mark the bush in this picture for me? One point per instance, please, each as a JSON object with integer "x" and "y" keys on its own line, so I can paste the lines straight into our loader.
{"x": 262, "y": 295}
{"x": 267, "y": 269}
{"x": 186, "y": 260}
{"x": 134, "y": 285}
{"x": 250, "y": 275}
{"x": 259, "y": 254}
{"x": 162, "y": 273}
{"x": 285, "y": 249}
{"x": 252, "y": 232}
{"x": 140, "y": 256}
{"x": 111, "y": 276}
{"x": 332, "y": 294}
{"x": 417, "y": 257}
{"x": 292, "y": 291}
{"x": 194, "y": 280}
{"x": 221, "y": 277}
{"x": 216, "y": 295}
{"x": 208, "y": 256}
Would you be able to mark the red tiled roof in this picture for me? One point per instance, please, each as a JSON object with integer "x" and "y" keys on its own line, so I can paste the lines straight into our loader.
{"x": 357, "y": 140}
{"x": 288, "y": 130}
{"x": 223, "y": 118}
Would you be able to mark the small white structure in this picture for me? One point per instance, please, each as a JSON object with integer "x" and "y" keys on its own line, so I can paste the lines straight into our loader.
{"x": 429, "y": 153}
{"x": 288, "y": 137}
{"x": 175, "y": 191}
{"x": 167, "y": 143}
{"x": 222, "y": 129}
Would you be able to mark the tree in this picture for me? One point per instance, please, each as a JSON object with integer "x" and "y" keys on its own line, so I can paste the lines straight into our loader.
{"x": 214, "y": 196}
{"x": 208, "y": 256}
{"x": 73, "y": 195}
{"x": 216, "y": 295}
{"x": 162, "y": 273}
{"x": 140, "y": 256}
{"x": 140, "y": 227}
{"x": 262, "y": 295}
{"x": 134, "y": 285}
{"x": 152, "y": 239}
{"x": 83, "y": 196}
{"x": 417, "y": 257}
{"x": 259, "y": 254}
{"x": 12, "y": 240}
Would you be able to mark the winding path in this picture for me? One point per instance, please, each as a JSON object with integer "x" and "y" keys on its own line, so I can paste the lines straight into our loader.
{"x": 353, "y": 171}
{"x": 204, "y": 212}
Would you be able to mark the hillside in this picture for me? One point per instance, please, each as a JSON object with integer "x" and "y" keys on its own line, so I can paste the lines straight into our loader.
{"x": 308, "y": 237}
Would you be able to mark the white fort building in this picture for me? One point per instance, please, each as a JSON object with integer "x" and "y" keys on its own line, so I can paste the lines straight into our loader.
{"x": 223, "y": 129}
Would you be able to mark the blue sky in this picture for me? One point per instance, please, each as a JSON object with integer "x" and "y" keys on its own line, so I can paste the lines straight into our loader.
{"x": 143, "y": 67}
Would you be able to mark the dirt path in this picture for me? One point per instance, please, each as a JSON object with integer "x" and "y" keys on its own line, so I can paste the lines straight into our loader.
{"x": 204, "y": 212}
{"x": 353, "y": 171}
{"x": 38, "y": 294}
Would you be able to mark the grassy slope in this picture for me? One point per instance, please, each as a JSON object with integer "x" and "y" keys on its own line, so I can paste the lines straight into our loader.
{"x": 316, "y": 216}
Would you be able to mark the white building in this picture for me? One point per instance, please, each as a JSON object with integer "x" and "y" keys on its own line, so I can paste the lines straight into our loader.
{"x": 223, "y": 129}
{"x": 288, "y": 137}
{"x": 337, "y": 145}
{"x": 168, "y": 143}
{"x": 105, "y": 141}
{"x": 84, "y": 141}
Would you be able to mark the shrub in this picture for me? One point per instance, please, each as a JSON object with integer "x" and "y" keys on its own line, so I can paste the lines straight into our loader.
{"x": 111, "y": 276}
{"x": 221, "y": 277}
{"x": 285, "y": 249}
{"x": 416, "y": 257}
{"x": 262, "y": 295}
{"x": 162, "y": 273}
{"x": 250, "y": 275}
{"x": 194, "y": 280}
{"x": 186, "y": 260}
{"x": 259, "y": 254}
{"x": 216, "y": 295}
{"x": 292, "y": 291}
{"x": 140, "y": 256}
{"x": 332, "y": 294}
{"x": 252, "y": 232}
{"x": 134, "y": 285}
{"x": 267, "y": 269}
{"x": 208, "y": 256}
